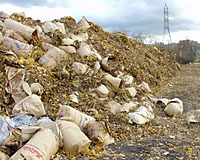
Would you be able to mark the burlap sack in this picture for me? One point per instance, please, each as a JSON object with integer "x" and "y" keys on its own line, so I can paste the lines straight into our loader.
{"x": 70, "y": 114}
{"x": 31, "y": 105}
{"x": 98, "y": 133}
{"x": 19, "y": 48}
{"x": 21, "y": 29}
{"x": 40, "y": 147}
{"x": 75, "y": 141}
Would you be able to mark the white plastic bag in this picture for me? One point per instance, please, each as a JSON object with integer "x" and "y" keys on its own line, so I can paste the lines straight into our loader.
{"x": 31, "y": 105}
{"x": 20, "y": 120}
{"x": 12, "y": 34}
{"x": 128, "y": 80}
{"x": 141, "y": 115}
{"x": 40, "y": 147}
{"x": 75, "y": 141}
{"x": 3, "y": 130}
{"x": 70, "y": 114}
{"x": 15, "y": 78}
{"x": 61, "y": 27}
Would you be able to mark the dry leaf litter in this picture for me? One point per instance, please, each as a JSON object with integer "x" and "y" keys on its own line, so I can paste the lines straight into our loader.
{"x": 91, "y": 84}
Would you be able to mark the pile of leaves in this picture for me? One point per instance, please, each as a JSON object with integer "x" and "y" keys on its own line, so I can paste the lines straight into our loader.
{"x": 144, "y": 63}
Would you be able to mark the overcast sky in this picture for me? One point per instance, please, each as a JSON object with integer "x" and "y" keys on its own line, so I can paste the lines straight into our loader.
{"x": 129, "y": 16}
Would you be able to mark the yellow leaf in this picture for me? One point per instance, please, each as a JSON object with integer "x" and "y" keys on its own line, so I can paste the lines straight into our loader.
{"x": 189, "y": 150}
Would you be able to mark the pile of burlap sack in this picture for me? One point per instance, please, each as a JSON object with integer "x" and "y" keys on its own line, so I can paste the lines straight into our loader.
{"x": 72, "y": 130}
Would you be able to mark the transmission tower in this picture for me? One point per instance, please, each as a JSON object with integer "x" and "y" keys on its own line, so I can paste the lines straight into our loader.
{"x": 166, "y": 24}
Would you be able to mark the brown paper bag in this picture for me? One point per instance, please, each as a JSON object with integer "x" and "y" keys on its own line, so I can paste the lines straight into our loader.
{"x": 19, "y": 48}
{"x": 21, "y": 29}
{"x": 75, "y": 141}
{"x": 97, "y": 132}
{"x": 31, "y": 105}
{"x": 3, "y": 156}
{"x": 52, "y": 57}
{"x": 40, "y": 147}
{"x": 70, "y": 114}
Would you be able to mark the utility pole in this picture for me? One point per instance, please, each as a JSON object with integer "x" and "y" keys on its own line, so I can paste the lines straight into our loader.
{"x": 166, "y": 24}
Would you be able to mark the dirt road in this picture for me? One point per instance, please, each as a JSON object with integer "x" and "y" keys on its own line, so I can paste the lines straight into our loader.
{"x": 166, "y": 137}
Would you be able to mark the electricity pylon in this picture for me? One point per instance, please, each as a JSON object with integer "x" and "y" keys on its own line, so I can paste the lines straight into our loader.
{"x": 166, "y": 24}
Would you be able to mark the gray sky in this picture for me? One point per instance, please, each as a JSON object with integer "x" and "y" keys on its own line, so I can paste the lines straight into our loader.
{"x": 129, "y": 16}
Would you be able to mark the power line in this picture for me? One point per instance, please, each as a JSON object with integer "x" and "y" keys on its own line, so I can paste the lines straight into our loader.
{"x": 166, "y": 24}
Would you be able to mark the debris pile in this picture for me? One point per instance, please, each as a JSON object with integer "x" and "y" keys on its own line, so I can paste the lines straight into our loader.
{"x": 87, "y": 81}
